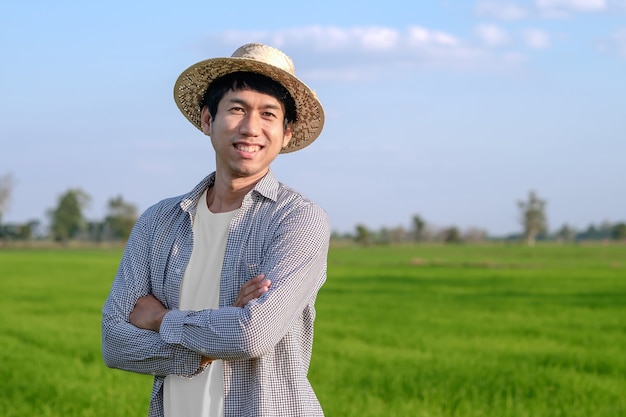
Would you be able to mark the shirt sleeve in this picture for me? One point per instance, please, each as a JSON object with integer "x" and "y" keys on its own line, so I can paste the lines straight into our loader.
{"x": 295, "y": 262}
{"x": 125, "y": 346}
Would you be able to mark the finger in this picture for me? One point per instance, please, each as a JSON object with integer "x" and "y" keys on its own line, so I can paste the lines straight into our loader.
{"x": 256, "y": 279}
{"x": 265, "y": 286}
{"x": 252, "y": 285}
{"x": 252, "y": 292}
{"x": 248, "y": 290}
{"x": 251, "y": 289}
{"x": 259, "y": 290}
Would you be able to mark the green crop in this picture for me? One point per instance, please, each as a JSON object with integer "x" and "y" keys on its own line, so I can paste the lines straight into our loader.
{"x": 425, "y": 330}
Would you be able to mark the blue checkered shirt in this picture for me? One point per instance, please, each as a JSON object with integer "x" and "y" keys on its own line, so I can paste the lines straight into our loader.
{"x": 266, "y": 346}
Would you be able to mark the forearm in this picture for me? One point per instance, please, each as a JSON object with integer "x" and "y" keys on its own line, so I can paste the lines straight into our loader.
{"x": 129, "y": 348}
{"x": 196, "y": 331}
{"x": 241, "y": 333}
{"x": 125, "y": 345}
{"x": 296, "y": 268}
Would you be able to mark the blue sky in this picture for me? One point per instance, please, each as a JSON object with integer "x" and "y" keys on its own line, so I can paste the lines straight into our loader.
{"x": 453, "y": 110}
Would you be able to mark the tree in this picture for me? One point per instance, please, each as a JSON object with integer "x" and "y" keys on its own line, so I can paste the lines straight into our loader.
{"x": 121, "y": 217}
{"x": 619, "y": 231}
{"x": 6, "y": 188}
{"x": 451, "y": 235}
{"x": 362, "y": 235}
{"x": 389, "y": 236}
{"x": 533, "y": 217}
{"x": 566, "y": 233}
{"x": 418, "y": 228}
{"x": 474, "y": 234}
{"x": 67, "y": 219}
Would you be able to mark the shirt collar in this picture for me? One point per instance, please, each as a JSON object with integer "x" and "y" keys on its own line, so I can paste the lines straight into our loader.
{"x": 267, "y": 187}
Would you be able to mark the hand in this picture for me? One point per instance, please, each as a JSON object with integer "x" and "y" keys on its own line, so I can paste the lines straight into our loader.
{"x": 252, "y": 289}
{"x": 148, "y": 313}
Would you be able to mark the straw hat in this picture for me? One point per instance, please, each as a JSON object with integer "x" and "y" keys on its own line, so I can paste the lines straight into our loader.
{"x": 271, "y": 62}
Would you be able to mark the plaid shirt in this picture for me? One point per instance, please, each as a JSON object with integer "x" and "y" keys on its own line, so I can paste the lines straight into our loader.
{"x": 266, "y": 346}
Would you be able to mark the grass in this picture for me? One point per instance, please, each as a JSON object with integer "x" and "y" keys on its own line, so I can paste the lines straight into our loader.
{"x": 473, "y": 331}
{"x": 491, "y": 330}
{"x": 50, "y": 339}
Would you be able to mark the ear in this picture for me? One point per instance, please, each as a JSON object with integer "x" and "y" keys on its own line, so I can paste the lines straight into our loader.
{"x": 287, "y": 135}
{"x": 205, "y": 121}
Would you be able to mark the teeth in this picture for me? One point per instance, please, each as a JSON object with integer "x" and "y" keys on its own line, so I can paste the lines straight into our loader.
{"x": 244, "y": 148}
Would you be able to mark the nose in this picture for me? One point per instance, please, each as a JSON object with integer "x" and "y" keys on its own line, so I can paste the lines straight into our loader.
{"x": 250, "y": 124}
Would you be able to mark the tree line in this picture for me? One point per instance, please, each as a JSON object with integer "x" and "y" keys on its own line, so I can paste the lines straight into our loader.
{"x": 67, "y": 222}
{"x": 533, "y": 222}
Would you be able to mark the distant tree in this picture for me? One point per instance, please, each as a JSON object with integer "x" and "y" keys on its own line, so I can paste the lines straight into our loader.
{"x": 362, "y": 235}
{"x": 418, "y": 228}
{"x": 451, "y": 235}
{"x": 590, "y": 233}
{"x": 94, "y": 231}
{"x": 67, "y": 219}
{"x": 602, "y": 232}
{"x": 474, "y": 235}
{"x": 121, "y": 217}
{"x": 533, "y": 217}
{"x": 20, "y": 231}
{"x": 383, "y": 236}
{"x": 341, "y": 236}
{"x": 6, "y": 188}
{"x": 606, "y": 230}
{"x": 28, "y": 230}
{"x": 565, "y": 233}
{"x": 619, "y": 231}
{"x": 390, "y": 236}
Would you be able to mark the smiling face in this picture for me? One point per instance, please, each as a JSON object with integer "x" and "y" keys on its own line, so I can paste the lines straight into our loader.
{"x": 247, "y": 133}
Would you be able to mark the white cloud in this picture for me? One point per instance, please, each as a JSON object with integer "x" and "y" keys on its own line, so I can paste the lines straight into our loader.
{"x": 368, "y": 52}
{"x": 420, "y": 36}
{"x": 321, "y": 38}
{"x": 492, "y": 35}
{"x": 500, "y": 10}
{"x": 536, "y": 38}
{"x": 378, "y": 38}
{"x": 511, "y": 10}
{"x": 559, "y": 8}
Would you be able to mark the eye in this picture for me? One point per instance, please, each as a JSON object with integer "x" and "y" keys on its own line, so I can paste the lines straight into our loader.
{"x": 269, "y": 114}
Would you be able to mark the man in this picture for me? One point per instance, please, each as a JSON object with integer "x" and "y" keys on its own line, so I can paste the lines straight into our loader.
{"x": 215, "y": 292}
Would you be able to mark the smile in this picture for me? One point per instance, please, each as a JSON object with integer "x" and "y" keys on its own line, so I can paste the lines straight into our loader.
{"x": 248, "y": 148}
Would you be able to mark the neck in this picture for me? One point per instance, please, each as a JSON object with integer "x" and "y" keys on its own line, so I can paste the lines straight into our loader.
{"x": 228, "y": 193}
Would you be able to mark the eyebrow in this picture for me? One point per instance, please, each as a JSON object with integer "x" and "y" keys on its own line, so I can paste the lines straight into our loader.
{"x": 271, "y": 106}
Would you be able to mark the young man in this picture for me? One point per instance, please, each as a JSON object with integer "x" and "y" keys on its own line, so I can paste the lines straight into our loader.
{"x": 215, "y": 292}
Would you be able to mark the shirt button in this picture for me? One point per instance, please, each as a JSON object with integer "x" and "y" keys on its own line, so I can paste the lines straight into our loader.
{"x": 178, "y": 270}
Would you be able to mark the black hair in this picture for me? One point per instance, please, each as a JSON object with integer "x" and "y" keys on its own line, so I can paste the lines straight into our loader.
{"x": 245, "y": 80}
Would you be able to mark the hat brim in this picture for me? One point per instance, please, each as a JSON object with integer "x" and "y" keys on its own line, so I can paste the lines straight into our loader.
{"x": 193, "y": 82}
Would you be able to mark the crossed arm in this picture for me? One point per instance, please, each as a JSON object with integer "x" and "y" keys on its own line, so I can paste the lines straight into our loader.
{"x": 141, "y": 335}
{"x": 149, "y": 312}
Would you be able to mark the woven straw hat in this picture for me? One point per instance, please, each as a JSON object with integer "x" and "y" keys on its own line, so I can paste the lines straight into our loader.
{"x": 255, "y": 57}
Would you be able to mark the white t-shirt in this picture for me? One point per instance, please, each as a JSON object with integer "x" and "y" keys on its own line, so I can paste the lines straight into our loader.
{"x": 202, "y": 395}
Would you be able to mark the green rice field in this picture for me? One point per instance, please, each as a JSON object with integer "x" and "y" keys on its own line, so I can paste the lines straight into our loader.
{"x": 458, "y": 330}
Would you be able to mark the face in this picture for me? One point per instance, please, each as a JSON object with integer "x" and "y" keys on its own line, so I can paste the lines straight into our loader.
{"x": 247, "y": 133}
